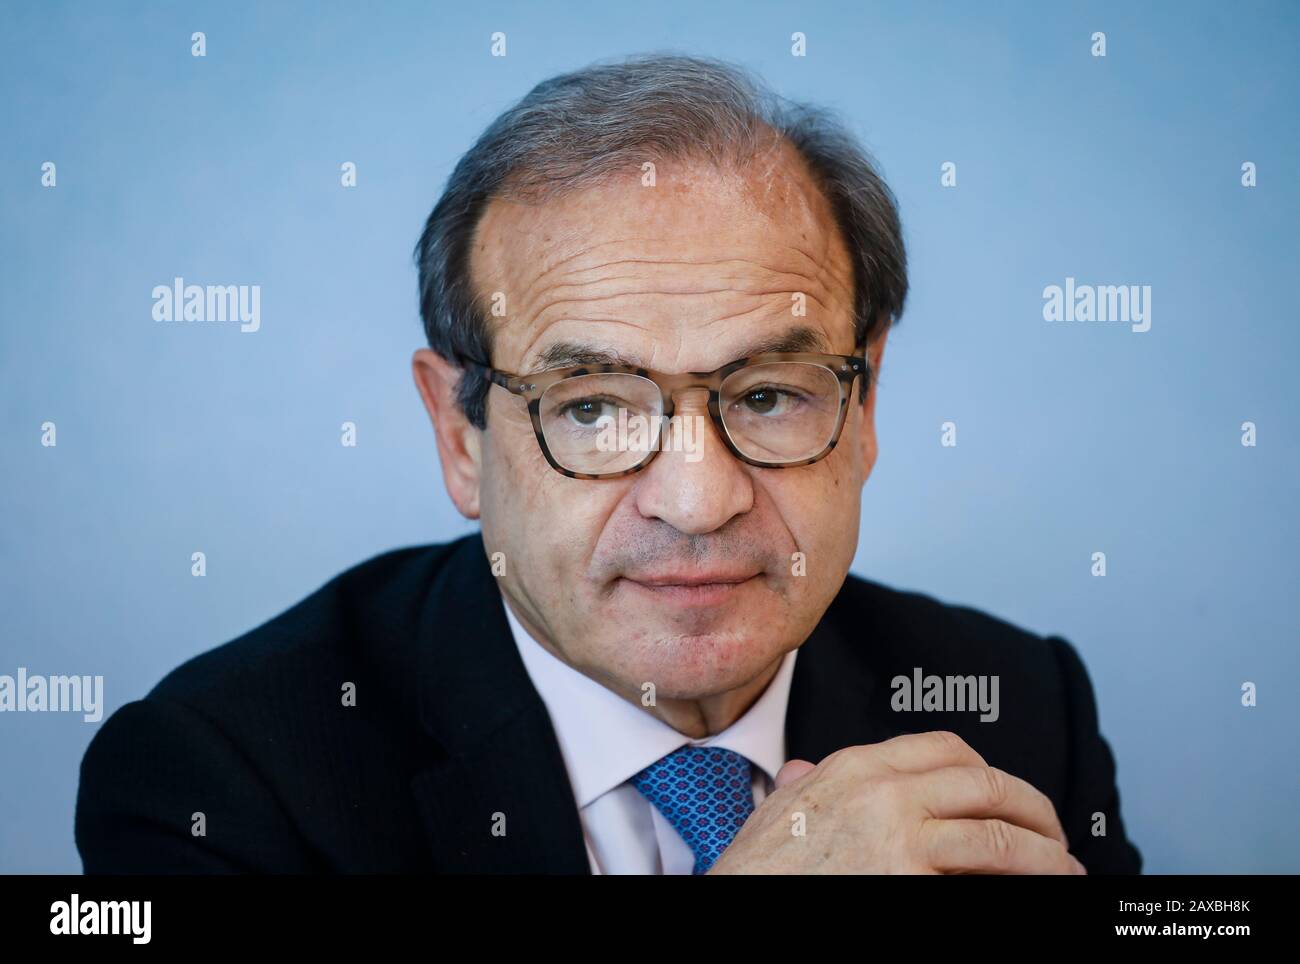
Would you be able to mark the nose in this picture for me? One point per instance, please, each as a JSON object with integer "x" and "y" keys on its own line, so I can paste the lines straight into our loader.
{"x": 699, "y": 489}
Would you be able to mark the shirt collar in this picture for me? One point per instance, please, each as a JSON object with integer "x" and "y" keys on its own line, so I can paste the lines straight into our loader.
{"x": 605, "y": 740}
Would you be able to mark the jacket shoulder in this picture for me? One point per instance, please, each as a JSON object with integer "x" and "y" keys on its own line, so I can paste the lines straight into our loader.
{"x": 920, "y": 626}
{"x": 257, "y": 730}
{"x": 362, "y": 606}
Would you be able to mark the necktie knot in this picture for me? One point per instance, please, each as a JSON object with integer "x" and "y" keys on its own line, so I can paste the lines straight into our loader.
{"x": 705, "y": 792}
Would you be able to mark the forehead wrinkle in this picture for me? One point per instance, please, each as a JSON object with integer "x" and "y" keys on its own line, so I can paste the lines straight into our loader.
{"x": 558, "y": 295}
{"x": 561, "y": 300}
{"x": 762, "y": 310}
{"x": 758, "y": 303}
{"x": 832, "y": 273}
{"x": 757, "y": 306}
{"x": 558, "y": 264}
{"x": 827, "y": 337}
{"x": 818, "y": 259}
{"x": 822, "y": 270}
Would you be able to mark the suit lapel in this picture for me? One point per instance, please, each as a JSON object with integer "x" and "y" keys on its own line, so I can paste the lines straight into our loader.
{"x": 497, "y": 798}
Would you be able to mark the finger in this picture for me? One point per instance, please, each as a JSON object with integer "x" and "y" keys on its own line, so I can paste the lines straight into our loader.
{"x": 917, "y": 752}
{"x": 993, "y": 847}
{"x": 985, "y": 792}
{"x": 792, "y": 771}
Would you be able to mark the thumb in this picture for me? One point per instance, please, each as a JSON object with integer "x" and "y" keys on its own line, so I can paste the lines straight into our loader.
{"x": 792, "y": 771}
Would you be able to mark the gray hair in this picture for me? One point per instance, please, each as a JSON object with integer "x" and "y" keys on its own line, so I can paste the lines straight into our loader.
{"x": 581, "y": 128}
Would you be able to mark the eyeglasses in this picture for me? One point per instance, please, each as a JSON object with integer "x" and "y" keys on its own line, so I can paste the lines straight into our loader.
{"x": 774, "y": 411}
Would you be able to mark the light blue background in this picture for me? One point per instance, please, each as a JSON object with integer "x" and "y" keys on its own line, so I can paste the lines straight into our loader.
{"x": 1072, "y": 438}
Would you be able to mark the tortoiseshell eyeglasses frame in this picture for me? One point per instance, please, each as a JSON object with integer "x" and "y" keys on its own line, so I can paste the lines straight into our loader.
{"x": 845, "y": 368}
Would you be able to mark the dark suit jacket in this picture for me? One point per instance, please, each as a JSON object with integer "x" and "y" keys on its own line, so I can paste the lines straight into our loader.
{"x": 448, "y": 730}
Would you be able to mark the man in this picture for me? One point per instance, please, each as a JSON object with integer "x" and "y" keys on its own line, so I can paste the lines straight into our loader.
{"x": 657, "y": 299}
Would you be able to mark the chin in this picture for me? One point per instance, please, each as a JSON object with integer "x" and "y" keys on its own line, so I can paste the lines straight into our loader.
{"x": 696, "y": 666}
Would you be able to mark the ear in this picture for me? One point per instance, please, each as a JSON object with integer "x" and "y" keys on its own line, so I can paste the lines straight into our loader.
{"x": 875, "y": 358}
{"x": 458, "y": 440}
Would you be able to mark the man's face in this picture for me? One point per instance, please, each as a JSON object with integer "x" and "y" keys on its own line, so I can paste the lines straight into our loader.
{"x": 685, "y": 574}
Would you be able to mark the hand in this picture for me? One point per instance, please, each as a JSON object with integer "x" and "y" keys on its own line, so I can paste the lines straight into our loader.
{"x": 923, "y": 803}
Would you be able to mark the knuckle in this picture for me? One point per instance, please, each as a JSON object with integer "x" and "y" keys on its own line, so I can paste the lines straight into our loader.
{"x": 887, "y": 792}
{"x": 997, "y": 786}
{"x": 1000, "y": 841}
{"x": 855, "y": 757}
{"x": 948, "y": 740}
{"x": 837, "y": 760}
{"x": 858, "y": 752}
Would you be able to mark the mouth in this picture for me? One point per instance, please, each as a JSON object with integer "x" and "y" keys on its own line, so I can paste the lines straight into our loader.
{"x": 689, "y": 589}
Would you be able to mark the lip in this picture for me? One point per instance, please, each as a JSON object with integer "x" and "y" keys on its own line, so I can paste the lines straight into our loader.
{"x": 712, "y": 578}
{"x": 690, "y": 589}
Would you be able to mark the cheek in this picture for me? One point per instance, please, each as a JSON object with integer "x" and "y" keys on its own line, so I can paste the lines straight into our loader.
{"x": 548, "y": 523}
{"x": 859, "y": 431}
{"x": 819, "y": 505}
{"x": 514, "y": 471}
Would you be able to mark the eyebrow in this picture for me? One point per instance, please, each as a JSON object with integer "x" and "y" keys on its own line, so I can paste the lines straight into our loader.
{"x": 565, "y": 354}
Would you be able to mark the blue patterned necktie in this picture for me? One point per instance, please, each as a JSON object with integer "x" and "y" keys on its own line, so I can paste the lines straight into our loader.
{"x": 705, "y": 792}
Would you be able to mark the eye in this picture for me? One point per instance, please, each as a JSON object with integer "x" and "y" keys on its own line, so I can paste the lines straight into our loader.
{"x": 587, "y": 412}
{"x": 766, "y": 400}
